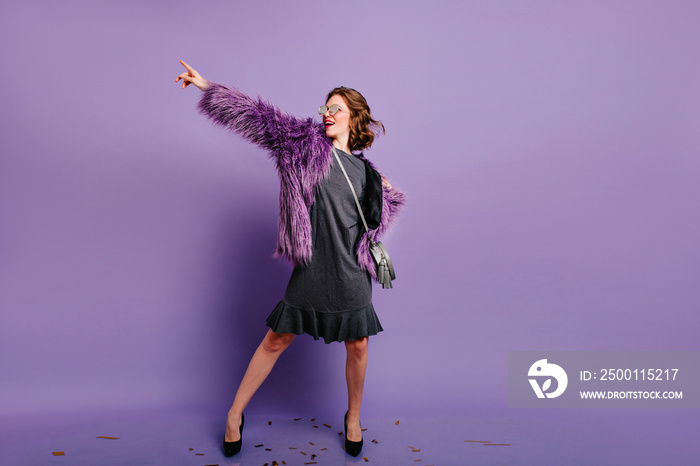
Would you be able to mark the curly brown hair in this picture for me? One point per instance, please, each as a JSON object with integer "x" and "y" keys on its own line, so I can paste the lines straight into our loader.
{"x": 363, "y": 128}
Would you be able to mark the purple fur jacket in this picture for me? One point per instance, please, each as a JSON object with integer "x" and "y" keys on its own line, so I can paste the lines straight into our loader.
{"x": 302, "y": 155}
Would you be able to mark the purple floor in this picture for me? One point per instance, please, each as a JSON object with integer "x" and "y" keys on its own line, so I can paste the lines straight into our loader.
{"x": 181, "y": 437}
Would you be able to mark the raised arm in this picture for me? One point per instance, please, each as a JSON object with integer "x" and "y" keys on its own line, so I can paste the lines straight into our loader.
{"x": 255, "y": 119}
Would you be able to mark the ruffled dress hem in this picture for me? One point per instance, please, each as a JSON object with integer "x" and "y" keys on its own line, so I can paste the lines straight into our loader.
{"x": 331, "y": 326}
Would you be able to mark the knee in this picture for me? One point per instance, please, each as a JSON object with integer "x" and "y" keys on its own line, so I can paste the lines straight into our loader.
{"x": 357, "y": 348}
{"x": 277, "y": 342}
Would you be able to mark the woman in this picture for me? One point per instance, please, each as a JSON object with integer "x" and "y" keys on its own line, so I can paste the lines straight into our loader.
{"x": 329, "y": 293}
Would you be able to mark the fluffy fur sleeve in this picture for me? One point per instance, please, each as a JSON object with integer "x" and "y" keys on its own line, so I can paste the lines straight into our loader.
{"x": 256, "y": 120}
{"x": 393, "y": 201}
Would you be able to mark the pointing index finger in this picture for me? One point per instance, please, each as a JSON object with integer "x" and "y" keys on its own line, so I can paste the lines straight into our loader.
{"x": 189, "y": 68}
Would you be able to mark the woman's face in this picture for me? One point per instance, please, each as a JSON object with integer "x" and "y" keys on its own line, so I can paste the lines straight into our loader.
{"x": 338, "y": 125}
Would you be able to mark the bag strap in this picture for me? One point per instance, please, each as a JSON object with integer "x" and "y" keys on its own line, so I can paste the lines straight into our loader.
{"x": 354, "y": 195}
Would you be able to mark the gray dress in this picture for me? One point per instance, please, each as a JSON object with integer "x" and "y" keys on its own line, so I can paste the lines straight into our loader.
{"x": 331, "y": 297}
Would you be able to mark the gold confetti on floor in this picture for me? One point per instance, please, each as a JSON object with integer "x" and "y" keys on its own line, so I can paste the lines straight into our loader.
{"x": 496, "y": 444}
{"x": 365, "y": 458}
{"x": 58, "y": 453}
{"x": 109, "y": 438}
{"x": 397, "y": 423}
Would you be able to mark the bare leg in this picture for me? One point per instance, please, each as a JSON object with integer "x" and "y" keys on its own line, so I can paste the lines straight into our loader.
{"x": 355, "y": 368}
{"x": 259, "y": 368}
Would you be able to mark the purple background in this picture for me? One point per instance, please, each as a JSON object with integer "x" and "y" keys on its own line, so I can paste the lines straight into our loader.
{"x": 549, "y": 150}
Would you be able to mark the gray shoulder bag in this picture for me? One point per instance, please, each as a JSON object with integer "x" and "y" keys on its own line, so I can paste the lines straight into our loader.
{"x": 385, "y": 269}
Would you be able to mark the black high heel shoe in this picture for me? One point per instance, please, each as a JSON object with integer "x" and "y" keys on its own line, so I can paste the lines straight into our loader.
{"x": 232, "y": 448}
{"x": 352, "y": 448}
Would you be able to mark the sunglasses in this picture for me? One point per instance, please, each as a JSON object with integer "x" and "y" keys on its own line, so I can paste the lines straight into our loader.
{"x": 333, "y": 109}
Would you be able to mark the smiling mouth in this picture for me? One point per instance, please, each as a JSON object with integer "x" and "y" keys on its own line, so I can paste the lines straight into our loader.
{"x": 329, "y": 123}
